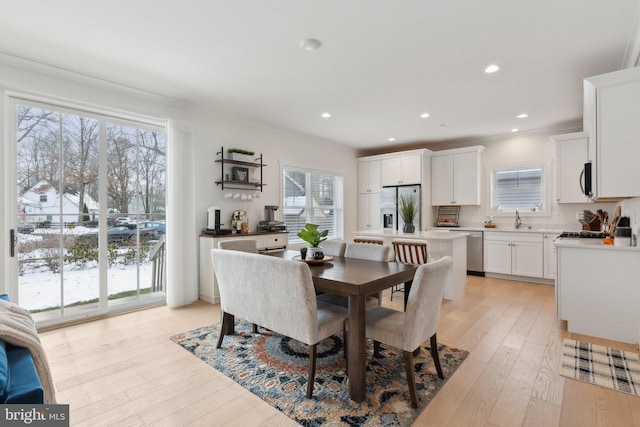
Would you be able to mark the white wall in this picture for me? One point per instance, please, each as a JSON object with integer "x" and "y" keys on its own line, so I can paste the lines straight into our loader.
{"x": 517, "y": 150}
{"x": 208, "y": 132}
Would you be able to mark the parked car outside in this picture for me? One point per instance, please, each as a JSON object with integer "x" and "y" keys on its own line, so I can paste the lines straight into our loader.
{"x": 92, "y": 223}
{"x": 121, "y": 234}
{"x": 26, "y": 228}
{"x": 123, "y": 220}
{"x": 158, "y": 226}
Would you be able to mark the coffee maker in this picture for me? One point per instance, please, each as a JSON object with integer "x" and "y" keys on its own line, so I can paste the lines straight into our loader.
{"x": 270, "y": 223}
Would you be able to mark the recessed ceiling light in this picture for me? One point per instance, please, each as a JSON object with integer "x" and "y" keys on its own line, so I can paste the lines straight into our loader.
{"x": 522, "y": 116}
{"x": 424, "y": 115}
{"x": 391, "y": 139}
{"x": 514, "y": 130}
{"x": 326, "y": 115}
{"x": 491, "y": 69}
{"x": 310, "y": 44}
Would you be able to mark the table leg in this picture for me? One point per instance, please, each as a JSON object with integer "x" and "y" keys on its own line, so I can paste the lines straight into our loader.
{"x": 356, "y": 358}
{"x": 407, "y": 289}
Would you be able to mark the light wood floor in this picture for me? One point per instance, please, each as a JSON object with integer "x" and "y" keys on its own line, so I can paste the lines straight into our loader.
{"x": 125, "y": 371}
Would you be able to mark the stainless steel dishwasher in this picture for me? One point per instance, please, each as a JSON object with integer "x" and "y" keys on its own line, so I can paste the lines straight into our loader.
{"x": 475, "y": 260}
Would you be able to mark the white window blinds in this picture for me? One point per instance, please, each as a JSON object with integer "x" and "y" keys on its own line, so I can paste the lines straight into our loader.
{"x": 312, "y": 197}
{"x": 521, "y": 189}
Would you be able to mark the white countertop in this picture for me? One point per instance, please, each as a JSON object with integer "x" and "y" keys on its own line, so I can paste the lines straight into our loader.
{"x": 429, "y": 234}
{"x": 523, "y": 229}
{"x": 567, "y": 242}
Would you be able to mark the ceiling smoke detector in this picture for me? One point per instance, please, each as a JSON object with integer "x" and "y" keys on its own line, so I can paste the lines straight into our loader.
{"x": 310, "y": 44}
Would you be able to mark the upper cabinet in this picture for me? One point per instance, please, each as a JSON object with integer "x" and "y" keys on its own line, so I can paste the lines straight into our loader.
{"x": 572, "y": 152}
{"x": 612, "y": 122}
{"x": 369, "y": 176}
{"x": 403, "y": 170}
{"x": 456, "y": 177}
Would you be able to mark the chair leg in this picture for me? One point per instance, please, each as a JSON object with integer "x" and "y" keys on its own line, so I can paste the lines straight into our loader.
{"x": 411, "y": 378}
{"x": 254, "y": 328}
{"x": 376, "y": 348}
{"x": 224, "y": 328}
{"x": 434, "y": 355}
{"x": 312, "y": 370}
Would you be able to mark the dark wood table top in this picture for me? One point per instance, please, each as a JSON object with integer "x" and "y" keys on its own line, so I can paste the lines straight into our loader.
{"x": 352, "y": 276}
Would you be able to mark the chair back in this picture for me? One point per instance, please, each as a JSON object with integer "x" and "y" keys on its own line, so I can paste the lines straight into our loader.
{"x": 367, "y": 251}
{"x": 275, "y": 293}
{"x": 333, "y": 247}
{"x": 410, "y": 251}
{"x": 241, "y": 245}
{"x": 370, "y": 240}
{"x": 425, "y": 298}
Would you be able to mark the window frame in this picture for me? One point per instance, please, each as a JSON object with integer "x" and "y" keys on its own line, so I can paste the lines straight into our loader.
{"x": 337, "y": 207}
{"x": 543, "y": 211}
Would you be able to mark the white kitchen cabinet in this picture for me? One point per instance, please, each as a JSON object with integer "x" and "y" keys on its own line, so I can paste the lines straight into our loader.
{"x": 519, "y": 254}
{"x": 369, "y": 176}
{"x": 369, "y": 211}
{"x": 612, "y": 120}
{"x": 265, "y": 242}
{"x": 597, "y": 290}
{"x": 572, "y": 152}
{"x": 549, "y": 252}
{"x": 401, "y": 170}
{"x": 456, "y": 177}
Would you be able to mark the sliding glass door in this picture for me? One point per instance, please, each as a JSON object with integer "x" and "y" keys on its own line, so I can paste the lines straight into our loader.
{"x": 90, "y": 199}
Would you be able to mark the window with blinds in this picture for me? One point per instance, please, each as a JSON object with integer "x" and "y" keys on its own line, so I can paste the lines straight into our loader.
{"x": 312, "y": 197}
{"x": 519, "y": 188}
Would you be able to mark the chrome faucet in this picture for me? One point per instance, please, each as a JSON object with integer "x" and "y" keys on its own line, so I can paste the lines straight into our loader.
{"x": 518, "y": 220}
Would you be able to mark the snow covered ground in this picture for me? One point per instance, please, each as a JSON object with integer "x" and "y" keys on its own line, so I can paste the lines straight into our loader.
{"x": 41, "y": 288}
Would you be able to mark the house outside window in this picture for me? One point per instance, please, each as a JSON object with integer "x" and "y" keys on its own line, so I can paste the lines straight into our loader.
{"x": 312, "y": 197}
{"x": 524, "y": 188}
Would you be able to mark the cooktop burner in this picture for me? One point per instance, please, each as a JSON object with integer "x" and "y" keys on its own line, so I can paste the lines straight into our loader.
{"x": 584, "y": 234}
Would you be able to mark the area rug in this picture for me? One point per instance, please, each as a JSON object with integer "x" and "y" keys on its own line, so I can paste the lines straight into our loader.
{"x": 275, "y": 368}
{"x": 603, "y": 366}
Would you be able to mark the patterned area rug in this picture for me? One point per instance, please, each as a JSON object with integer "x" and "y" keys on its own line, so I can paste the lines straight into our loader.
{"x": 603, "y": 366}
{"x": 274, "y": 368}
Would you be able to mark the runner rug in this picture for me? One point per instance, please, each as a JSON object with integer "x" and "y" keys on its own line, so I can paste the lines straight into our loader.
{"x": 603, "y": 366}
{"x": 275, "y": 368}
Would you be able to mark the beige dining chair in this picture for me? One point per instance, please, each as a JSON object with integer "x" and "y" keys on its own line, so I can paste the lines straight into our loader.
{"x": 408, "y": 251}
{"x": 277, "y": 294}
{"x": 408, "y": 330}
{"x": 361, "y": 251}
{"x": 333, "y": 247}
{"x": 242, "y": 245}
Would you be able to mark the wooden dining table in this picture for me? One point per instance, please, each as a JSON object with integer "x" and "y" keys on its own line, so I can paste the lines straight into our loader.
{"x": 356, "y": 278}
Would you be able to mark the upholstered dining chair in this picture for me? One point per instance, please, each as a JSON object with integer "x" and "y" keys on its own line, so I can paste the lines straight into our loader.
{"x": 333, "y": 247}
{"x": 277, "y": 294}
{"x": 408, "y": 330}
{"x": 408, "y": 251}
{"x": 242, "y": 245}
{"x": 362, "y": 251}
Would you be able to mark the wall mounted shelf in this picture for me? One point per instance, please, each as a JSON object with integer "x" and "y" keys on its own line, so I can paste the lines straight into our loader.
{"x": 236, "y": 168}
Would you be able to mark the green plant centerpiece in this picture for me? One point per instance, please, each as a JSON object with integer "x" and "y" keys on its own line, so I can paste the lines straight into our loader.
{"x": 408, "y": 209}
{"x": 314, "y": 237}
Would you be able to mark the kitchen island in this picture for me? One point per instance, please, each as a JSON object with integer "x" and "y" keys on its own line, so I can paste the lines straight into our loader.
{"x": 597, "y": 290}
{"x": 439, "y": 243}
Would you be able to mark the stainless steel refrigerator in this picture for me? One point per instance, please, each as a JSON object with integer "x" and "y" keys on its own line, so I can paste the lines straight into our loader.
{"x": 390, "y": 211}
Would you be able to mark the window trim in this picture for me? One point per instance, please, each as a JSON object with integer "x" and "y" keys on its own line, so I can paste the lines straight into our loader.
{"x": 545, "y": 211}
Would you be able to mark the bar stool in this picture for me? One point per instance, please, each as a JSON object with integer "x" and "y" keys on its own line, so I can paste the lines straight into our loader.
{"x": 408, "y": 251}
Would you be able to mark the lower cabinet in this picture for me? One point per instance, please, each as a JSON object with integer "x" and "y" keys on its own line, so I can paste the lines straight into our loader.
{"x": 266, "y": 242}
{"x": 549, "y": 255}
{"x": 519, "y": 254}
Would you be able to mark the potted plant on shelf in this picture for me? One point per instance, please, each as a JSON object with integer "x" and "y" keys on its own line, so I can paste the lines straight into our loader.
{"x": 408, "y": 209}
{"x": 312, "y": 236}
{"x": 241, "y": 155}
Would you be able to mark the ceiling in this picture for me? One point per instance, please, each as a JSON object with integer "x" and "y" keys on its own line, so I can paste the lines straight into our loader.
{"x": 381, "y": 64}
